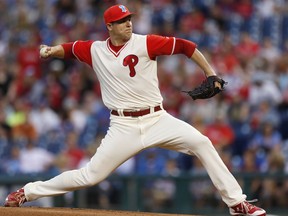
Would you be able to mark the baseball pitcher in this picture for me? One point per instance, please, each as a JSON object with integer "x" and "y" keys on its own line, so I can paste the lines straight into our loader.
{"x": 126, "y": 67}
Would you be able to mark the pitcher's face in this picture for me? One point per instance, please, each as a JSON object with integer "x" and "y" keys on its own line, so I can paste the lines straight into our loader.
{"x": 120, "y": 30}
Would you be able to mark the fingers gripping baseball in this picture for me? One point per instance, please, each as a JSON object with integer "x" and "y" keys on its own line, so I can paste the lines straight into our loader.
{"x": 45, "y": 51}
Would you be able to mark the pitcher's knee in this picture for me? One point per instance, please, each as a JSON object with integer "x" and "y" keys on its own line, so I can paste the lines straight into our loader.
{"x": 92, "y": 177}
{"x": 205, "y": 142}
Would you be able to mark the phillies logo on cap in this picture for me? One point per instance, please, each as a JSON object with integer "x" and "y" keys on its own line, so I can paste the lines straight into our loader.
{"x": 123, "y": 8}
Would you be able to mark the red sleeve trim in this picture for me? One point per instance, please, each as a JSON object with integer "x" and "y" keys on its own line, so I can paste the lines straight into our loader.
{"x": 159, "y": 45}
{"x": 82, "y": 51}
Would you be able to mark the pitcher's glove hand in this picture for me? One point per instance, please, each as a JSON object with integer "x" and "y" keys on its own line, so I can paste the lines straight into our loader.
{"x": 208, "y": 88}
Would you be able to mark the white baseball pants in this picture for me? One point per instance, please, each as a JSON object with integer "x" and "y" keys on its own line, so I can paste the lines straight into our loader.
{"x": 128, "y": 136}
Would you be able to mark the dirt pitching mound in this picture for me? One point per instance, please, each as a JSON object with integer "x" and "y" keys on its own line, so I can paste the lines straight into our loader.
{"x": 38, "y": 211}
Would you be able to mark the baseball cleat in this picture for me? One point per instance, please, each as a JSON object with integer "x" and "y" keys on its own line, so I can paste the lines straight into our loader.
{"x": 246, "y": 209}
{"x": 15, "y": 199}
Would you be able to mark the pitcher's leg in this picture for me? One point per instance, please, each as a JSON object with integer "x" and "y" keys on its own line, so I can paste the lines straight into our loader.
{"x": 71, "y": 180}
{"x": 115, "y": 148}
{"x": 177, "y": 135}
{"x": 221, "y": 177}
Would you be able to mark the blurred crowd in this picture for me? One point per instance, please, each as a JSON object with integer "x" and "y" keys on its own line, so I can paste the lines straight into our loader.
{"x": 52, "y": 118}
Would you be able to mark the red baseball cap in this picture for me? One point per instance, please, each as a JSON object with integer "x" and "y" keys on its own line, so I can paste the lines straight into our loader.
{"x": 115, "y": 13}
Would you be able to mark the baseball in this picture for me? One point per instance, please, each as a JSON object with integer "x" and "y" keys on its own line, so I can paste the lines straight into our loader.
{"x": 44, "y": 52}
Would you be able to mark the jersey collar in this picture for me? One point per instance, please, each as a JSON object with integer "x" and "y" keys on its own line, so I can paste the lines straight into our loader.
{"x": 113, "y": 50}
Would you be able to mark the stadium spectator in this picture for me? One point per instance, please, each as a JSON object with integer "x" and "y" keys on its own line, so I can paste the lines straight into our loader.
{"x": 265, "y": 142}
{"x": 35, "y": 160}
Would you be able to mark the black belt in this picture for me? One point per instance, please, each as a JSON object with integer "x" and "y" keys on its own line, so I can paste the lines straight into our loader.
{"x": 136, "y": 113}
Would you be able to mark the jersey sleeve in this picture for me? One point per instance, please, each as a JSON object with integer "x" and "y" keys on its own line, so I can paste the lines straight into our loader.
{"x": 82, "y": 51}
{"x": 160, "y": 45}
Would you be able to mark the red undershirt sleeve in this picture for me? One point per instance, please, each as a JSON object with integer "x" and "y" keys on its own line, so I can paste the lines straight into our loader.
{"x": 159, "y": 45}
{"x": 68, "y": 50}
